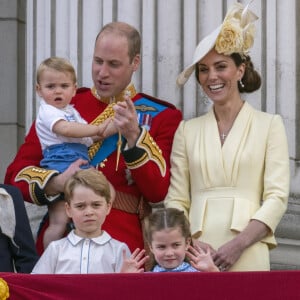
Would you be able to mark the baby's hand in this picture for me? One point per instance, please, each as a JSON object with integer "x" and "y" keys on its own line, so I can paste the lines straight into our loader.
{"x": 134, "y": 263}
{"x": 107, "y": 128}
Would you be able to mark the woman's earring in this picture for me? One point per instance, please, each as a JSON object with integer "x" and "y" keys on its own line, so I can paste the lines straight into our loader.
{"x": 241, "y": 83}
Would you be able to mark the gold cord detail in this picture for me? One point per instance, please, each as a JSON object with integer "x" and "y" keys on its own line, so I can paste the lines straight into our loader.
{"x": 107, "y": 113}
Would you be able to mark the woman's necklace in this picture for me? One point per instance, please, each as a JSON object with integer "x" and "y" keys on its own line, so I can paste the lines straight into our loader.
{"x": 223, "y": 136}
{"x": 224, "y": 133}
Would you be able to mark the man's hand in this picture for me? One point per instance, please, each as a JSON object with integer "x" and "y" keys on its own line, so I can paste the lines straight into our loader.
{"x": 56, "y": 184}
{"x": 126, "y": 121}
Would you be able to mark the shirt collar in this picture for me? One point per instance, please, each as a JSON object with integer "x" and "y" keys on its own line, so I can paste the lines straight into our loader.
{"x": 75, "y": 239}
{"x": 180, "y": 268}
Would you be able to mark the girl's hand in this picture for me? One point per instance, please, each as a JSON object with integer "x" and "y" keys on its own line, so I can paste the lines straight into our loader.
{"x": 134, "y": 263}
{"x": 201, "y": 259}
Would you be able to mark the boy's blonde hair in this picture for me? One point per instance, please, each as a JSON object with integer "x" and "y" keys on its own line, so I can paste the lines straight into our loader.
{"x": 58, "y": 64}
{"x": 90, "y": 178}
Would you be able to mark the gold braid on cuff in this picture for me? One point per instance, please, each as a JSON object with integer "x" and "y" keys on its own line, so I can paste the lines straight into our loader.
{"x": 37, "y": 175}
{"x": 153, "y": 152}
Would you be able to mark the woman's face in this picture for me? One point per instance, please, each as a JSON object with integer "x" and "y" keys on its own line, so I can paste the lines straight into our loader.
{"x": 218, "y": 76}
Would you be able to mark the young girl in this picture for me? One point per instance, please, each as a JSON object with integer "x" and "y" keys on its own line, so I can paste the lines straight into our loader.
{"x": 167, "y": 232}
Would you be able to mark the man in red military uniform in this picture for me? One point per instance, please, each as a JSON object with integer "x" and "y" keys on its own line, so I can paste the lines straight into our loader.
{"x": 144, "y": 129}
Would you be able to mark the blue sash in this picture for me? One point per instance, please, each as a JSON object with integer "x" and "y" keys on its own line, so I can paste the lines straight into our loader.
{"x": 146, "y": 110}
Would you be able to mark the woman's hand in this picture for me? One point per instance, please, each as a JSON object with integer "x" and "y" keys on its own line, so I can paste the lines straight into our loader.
{"x": 204, "y": 246}
{"x": 228, "y": 254}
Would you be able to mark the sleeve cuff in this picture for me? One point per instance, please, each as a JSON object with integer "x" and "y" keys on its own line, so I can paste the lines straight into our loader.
{"x": 145, "y": 149}
{"x": 37, "y": 178}
{"x": 40, "y": 198}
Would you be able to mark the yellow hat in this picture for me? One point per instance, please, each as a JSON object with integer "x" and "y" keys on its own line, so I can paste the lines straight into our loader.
{"x": 234, "y": 35}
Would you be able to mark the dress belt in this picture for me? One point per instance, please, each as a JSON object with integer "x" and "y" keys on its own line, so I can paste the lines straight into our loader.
{"x": 231, "y": 192}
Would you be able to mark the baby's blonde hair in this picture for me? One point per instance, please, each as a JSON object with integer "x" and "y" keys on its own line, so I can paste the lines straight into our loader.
{"x": 58, "y": 64}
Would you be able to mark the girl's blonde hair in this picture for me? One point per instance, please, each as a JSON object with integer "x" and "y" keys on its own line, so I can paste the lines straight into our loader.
{"x": 166, "y": 218}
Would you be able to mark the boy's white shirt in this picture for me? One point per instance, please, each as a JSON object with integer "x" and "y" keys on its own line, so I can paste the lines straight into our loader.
{"x": 77, "y": 255}
{"x": 48, "y": 115}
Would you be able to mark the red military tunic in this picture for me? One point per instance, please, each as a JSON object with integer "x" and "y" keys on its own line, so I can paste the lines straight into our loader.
{"x": 143, "y": 171}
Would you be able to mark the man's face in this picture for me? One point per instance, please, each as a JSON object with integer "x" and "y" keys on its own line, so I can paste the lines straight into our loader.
{"x": 111, "y": 67}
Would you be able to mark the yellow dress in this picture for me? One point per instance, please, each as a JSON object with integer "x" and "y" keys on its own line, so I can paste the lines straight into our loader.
{"x": 221, "y": 188}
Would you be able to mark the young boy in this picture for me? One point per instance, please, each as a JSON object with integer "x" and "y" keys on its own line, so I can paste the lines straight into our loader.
{"x": 87, "y": 248}
{"x": 64, "y": 135}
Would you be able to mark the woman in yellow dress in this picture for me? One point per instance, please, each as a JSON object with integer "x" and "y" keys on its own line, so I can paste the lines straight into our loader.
{"x": 230, "y": 167}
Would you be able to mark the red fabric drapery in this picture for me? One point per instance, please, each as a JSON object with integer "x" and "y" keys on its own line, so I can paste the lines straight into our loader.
{"x": 186, "y": 286}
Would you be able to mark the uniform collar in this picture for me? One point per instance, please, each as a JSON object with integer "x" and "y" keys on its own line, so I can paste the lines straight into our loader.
{"x": 120, "y": 97}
